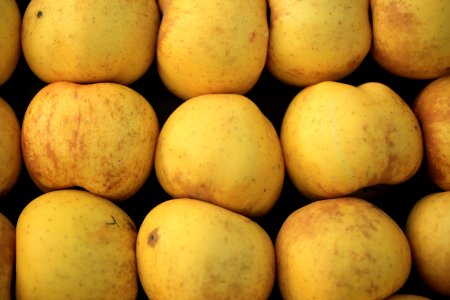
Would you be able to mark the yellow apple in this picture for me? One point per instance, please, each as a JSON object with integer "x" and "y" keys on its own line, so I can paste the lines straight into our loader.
{"x": 338, "y": 139}
{"x": 313, "y": 41}
{"x": 342, "y": 248}
{"x": 220, "y": 148}
{"x": 10, "y": 149}
{"x": 10, "y": 49}
{"x": 428, "y": 232}
{"x": 90, "y": 41}
{"x": 74, "y": 245}
{"x": 210, "y": 47}
{"x": 100, "y": 137}
{"x": 412, "y": 38}
{"x": 432, "y": 108}
{"x": 191, "y": 249}
{"x": 7, "y": 256}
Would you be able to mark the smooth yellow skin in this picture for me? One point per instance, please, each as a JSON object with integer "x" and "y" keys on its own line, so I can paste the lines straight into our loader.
{"x": 74, "y": 245}
{"x": 411, "y": 38}
{"x": 90, "y": 41}
{"x": 313, "y": 41}
{"x": 10, "y": 149}
{"x": 433, "y": 112}
{"x": 10, "y": 48}
{"x": 7, "y": 256}
{"x": 338, "y": 139}
{"x": 101, "y": 137}
{"x": 221, "y": 149}
{"x": 212, "y": 46}
{"x": 190, "y": 249}
{"x": 344, "y": 248}
{"x": 428, "y": 232}
{"x": 407, "y": 297}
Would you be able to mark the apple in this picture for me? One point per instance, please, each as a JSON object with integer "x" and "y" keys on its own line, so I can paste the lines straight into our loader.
{"x": 212, "y": 47}
{"x": 90, "y": 41}
{"x": 341, "y": 248}
{"x": 10, "y": 49}
{"x": 432, "y": 108}
{"x": 338, "y": 139}
{"x": 99, "y": 136}
{"x": 73, "y": 244}
{"x": 313, "y": 41}
{"x": 428, "y": 232}
{"x": 191, "y": 249}
{"x": 412, "y": 38}
{"x": 10, "y": 148}
{"x": 220, "y": 148}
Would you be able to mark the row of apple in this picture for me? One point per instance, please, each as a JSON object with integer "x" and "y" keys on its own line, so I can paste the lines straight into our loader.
{"x": 106, "y": 138}
{"x": 87, "y": 247}
{"x": 220, "y": 148}
{"x": 222, "y": 47}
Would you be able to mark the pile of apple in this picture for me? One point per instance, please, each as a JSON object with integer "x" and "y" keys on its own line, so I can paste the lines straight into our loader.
{"x": 89, "y": 142}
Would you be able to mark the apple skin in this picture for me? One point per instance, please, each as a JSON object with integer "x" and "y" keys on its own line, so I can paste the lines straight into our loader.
{"x": 10, "y": 148}
{"x": 428, "y": 232}
{"x": 433, "y": 112}
{"x": 338, "y": 139}
{"x": 100, "y": 137}
{"x": 341, "y": 248}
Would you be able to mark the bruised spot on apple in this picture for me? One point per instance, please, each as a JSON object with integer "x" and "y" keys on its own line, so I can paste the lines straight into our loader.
{"x": 153, "y": 237}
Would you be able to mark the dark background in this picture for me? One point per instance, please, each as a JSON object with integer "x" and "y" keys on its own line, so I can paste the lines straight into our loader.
{"x": 272, "y": 97}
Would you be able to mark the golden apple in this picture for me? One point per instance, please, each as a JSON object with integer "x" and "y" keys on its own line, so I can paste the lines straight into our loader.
{"x": 338, "y": 139}
{"x": 412, "y": 38}
{"x": 100, "y": 137}
{"x": 10, "y": 149}
{"x": 74, "y": 245}
{"x": 432, "y": 108}
{"x": 342, "y": 248}
{"x": 212, "y": 47}
{"x": 10, "y": 48}
{"x": 220, "y": 148}
{"x": 7, "y": 256}
{"x": 313, "y": 41}
{"x": 90, "y": 41}
{"x": 191, "y": 249}
{"x": 427, "y": 229}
